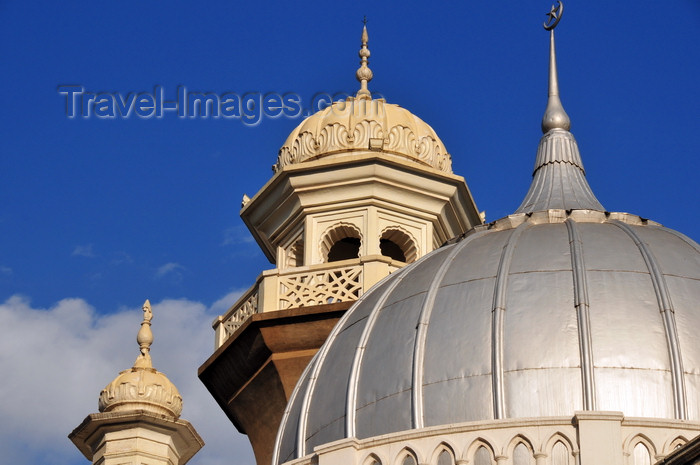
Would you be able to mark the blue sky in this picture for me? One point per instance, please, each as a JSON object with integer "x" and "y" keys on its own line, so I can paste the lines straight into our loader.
{"x": 99, "y": 214}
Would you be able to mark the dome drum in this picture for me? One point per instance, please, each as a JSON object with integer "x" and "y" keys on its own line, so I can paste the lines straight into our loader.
{"x": 552, "y": 440}
{"x": 375, "y": 185}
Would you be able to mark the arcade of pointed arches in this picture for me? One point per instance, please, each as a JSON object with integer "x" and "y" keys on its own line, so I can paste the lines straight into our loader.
{"x": 557, "y": 450}
{"x": 481, "y": 451}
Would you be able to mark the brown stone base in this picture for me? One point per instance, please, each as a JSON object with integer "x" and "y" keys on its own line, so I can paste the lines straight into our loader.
{"x": 252, "y": 375}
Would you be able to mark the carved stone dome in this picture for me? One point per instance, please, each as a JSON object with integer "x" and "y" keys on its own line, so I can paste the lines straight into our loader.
{"x": 141, "y": 389}
{"x": 361, "y": 125}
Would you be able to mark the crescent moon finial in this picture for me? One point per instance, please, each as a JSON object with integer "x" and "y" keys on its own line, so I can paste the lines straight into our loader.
{"x": 554, "y": 115}
{"x": 554, "y": 16}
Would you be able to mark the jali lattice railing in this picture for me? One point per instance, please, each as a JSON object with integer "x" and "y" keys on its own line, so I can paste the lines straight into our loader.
{"x": 321, "y": 287}
{"x": 304, "y": 287}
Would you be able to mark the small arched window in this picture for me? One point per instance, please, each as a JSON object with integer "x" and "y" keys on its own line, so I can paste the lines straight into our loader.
{"x": 560, "y": 454}
{"x": 522, "y": 455}
{"x": 482, "y": 456}
{"x": 676, "y": 444}
{"x": 641, "y": 454}
{"x": 445, "y": 458}
{"x": 409, "y": 460}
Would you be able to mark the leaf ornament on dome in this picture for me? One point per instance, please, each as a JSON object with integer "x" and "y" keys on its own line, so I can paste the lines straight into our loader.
{"x": 332, "y": 137}
{"x": 337, "y": 137}
{"x": 366, "y": 130}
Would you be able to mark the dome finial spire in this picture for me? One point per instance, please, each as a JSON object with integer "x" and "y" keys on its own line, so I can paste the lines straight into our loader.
{"x": 559, "y": 180}
{"x": 145, "y": 338}
{"x": 554, "y": 115}
{"x": 364, "y": 74}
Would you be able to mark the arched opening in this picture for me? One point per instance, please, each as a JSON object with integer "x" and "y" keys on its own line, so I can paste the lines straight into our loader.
{"x": 560, "y": 454}
{"x": 344, "y": 249}
{"x": 641, "y": 454}
{"x": 522, "y": 455}
{"x": 406, "y": 457}
{"x": 341, "y": 242}
{"x": 482, "y": 456}
{"x": 295, "y": 254}
{"x": 675, "y": 444}
{"x": 391, "y": 250}
{"x": 445, "y": 458}
{"x": 398, "y": 245}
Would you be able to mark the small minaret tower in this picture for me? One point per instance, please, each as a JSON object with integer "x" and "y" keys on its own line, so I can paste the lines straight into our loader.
{"x": 360, "y": 189}
{"x": 139, "y": 416}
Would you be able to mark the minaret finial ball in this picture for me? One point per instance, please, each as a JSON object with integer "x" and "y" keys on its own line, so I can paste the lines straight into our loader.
{"x": 554, "y": 116}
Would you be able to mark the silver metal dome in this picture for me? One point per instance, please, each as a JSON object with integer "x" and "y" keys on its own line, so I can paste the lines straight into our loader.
{"x": 558, "y": 308}
{"x": 534, "y": 315}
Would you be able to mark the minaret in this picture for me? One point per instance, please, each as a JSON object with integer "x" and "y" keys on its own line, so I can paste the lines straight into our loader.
{"x": 139, "y": 415}
{"x": 360, "y": 189}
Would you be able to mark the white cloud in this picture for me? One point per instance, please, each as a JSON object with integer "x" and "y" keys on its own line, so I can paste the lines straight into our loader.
{"x": 55, "y": 362}
{"x": 83, "y": 251}
{"x": 223, "y": 304}
{"x": 172, "y": 268}
{"x": 237, "y": 235}
{"x": 6, "y": 270}
{"x": 122, "y": 258}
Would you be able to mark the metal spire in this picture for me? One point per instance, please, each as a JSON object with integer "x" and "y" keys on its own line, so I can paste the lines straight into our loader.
{"x": 554, "y": 115}
{"x": 559, "y": 180}
{"x": 364, "y": 74}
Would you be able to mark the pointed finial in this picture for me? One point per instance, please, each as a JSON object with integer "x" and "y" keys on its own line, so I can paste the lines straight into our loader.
{"x": 145, "y": 338}
{"x": 364, "y": 74}
{"x": 554, "y": 115}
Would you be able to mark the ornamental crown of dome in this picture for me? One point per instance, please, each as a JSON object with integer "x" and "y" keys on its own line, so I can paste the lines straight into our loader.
{"x": 361, "y": 124}
{"x": 142, "y": 387}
